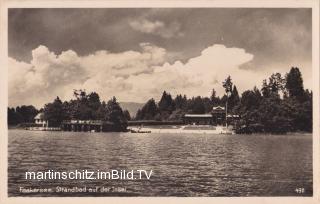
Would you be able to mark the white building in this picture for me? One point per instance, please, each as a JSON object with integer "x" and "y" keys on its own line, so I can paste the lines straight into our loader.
{"x": 39, "y": 119}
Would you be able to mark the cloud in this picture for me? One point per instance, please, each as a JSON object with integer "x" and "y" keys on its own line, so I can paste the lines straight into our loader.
{"x": 157, "y": 28}
{"x": 49, "y": 75}
{"x": 130, "y": 76}
{"x": 200, "y": 74}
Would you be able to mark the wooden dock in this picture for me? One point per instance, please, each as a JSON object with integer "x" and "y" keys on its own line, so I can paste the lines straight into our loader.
{"x": 82, "y": 125}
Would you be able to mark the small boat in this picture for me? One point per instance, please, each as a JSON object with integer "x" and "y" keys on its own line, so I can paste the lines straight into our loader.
{"x": 140, "y": 131}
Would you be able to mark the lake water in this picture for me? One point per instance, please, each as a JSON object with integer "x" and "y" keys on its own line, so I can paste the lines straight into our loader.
{"x": 182, "y": 165}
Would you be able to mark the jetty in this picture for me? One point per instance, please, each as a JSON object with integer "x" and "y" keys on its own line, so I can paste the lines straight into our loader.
{"x": 84, "y": 125}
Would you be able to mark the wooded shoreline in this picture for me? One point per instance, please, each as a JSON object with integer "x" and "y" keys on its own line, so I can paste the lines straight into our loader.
{"x": 282, "y": 105}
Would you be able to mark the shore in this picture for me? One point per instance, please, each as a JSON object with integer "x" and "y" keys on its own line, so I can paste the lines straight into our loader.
{"x": 176, "y": 129}
{"x": 194, "y": 129}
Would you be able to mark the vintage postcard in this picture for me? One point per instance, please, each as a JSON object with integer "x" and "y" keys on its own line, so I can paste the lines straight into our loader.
{"x": 134, "y": 101}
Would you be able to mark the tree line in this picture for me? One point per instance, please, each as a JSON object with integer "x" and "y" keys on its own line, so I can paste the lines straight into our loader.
{"x": 21, "y": 114}
{"x": 281, "y": 105}
{"x": 83, "y": 107}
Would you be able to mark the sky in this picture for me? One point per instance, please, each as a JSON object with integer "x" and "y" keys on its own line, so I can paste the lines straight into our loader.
{"x": 135, "y": 54}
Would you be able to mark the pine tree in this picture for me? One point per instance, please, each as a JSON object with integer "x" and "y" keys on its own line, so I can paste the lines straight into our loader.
{"x": 213, "y": 98}
{"x": 148, "y": 111}
{"x": 234, "y": 98}
{"x": 166, "y": 104}
{"x": 115, "y": 115}
{"x": 127, "y": 115}
{"x": 227, "y": 85}
{"x": 294, "y": 83}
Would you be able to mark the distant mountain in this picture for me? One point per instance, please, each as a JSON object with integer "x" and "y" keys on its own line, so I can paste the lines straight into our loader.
{"x": 132, "y": 107}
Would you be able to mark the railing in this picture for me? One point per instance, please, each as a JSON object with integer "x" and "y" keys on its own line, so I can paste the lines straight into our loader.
{"x": 92, "y": 122}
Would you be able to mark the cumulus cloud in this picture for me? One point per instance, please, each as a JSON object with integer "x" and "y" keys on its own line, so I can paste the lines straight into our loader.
{"x": 49, "y": 75}
{"x": 200, "y": 74}
{"x": 130, "y": 76}
{"x": 157, "y": 28}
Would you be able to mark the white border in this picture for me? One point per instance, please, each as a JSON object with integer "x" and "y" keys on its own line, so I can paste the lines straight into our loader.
{"x": 314, "y": 4}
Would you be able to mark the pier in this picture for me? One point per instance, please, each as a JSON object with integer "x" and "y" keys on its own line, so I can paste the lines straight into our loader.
{"x": 83, "y": 125}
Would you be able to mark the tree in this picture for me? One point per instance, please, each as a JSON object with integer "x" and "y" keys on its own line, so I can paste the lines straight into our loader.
{"x": 166, "y": 103}
{"x": 227, "y": 85}
{"x": 80, "y": 94}
{"x": 272, "y": 115}
{"x": 180, "y": 102}
{"x": 294, "y": 83}
{"x": 234, "y": 98}
{"x": 213, "y": 98}
{"x": 81, "y": 111}
{"x": 54, "y": 113}
{"x": 14, "y": 118}
{"x": 198, "y": 106}
{"x": 85, "y": 106}
{"x": 265, "y": 90}
{"x": 127, "y": 115}
{"x": 11, "y": 116}
{"x": 27, "y": 113}
{"x": 275, "y": 86}
{"x": 148, "y": 111}
{"x": 94, "y": 101}
{"x": 299, "y": 113}
{"x": 248, "y": 107}
{"x": 207, "y": 104}
{"x": 250, "y": 100}
{"x": 257, "y": 94}
{"x": 102, "y": 111}
{"x": 94, "y": 104}
{"x": 276, "y": 83}
{"x": 115, "y": 115}
{"x": 139, "y": 115}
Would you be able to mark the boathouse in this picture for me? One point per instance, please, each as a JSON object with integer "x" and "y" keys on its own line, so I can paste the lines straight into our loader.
{"x": 86, "y": 125}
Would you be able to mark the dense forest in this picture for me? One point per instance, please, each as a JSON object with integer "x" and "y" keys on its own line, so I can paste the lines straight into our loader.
{"x": 281, "y": 105}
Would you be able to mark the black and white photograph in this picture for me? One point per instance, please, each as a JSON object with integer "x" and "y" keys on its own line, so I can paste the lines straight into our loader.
{"x": 160, "y": 102}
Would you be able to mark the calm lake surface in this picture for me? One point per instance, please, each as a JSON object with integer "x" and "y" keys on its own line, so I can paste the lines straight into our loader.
{"x": 183, "y": 165}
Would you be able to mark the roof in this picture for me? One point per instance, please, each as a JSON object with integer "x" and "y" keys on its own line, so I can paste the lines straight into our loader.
{"x": 218, "y": 108}
{"x": 198, "y": 115}
{"x": 39, "y": 116}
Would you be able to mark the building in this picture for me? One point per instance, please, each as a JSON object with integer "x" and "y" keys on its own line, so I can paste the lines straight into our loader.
{"x": 198, "y": 119}
{"x": 39, "y": 120}
{"x": 87, "y": 126}
{"x": 216, "y": 117}
{"x": 219, "y": 115}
